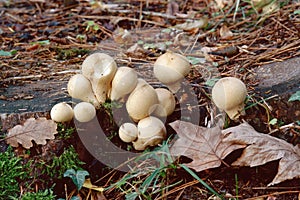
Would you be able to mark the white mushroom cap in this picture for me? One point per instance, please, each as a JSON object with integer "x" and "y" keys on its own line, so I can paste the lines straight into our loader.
{"x": 170, "y": 68}
{"x": 141, "y": 101}
{"x": 123, "y": 82}
{"x": 166, "y": 102}
{"x": 128, "y": 132}
{"x": 152, "y": 132}
{"x": 100, "y": 69}
{"x": 61, "y": 112}
{"x": 80, "y": 87}
{"x": 84, "y": 112}
{"x": 229, "y": 94}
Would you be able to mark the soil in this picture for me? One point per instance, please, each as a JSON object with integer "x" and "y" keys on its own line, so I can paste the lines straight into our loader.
{"x": 51, "y": 39}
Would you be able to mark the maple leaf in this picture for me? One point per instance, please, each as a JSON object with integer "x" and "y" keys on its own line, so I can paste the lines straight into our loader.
{"x": 264, "y": 148}
{"x": 204, "y": 145}
{"x": 38, "y": 130}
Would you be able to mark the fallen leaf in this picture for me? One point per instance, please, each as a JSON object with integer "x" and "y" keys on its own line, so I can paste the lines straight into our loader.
{"x": 204, "y": 145}
{"x": 88, "y": 184}
{"x": 222, "y": 3}
{"x": 38, "y": 130}
{"x": 263, "y": 148}
{"x": 225, "y": 32}
{"x": 172, "y": 8}
{"x": 194, "y": 24}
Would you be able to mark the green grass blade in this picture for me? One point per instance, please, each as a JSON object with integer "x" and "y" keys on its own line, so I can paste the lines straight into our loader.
{"x": 200, "y": 180}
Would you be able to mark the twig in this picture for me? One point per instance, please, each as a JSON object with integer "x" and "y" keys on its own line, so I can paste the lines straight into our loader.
{"x": 291, "y": 125}
{"x": 40, "y": 76}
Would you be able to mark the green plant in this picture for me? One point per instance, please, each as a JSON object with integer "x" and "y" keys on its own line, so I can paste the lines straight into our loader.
{"x": 56, "y": 167}
{"x": 150, "y": 180}
{"x": 64, "y": 132}
{"x": 91, "y": 25}
{"x": 40, "y": 195}
{"x": 201, "y": 181}
{"x": 236, "y": 186}
{"x": 8, "y": 53}
{"x": 78, "y": 177}
{"x": 295, "y": 96}
{"x": 12, "y": 169}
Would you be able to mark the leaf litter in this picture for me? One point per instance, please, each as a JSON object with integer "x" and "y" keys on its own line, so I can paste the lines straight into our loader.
{"x": 38, "y": 130}
{"x": 207, "y": 147}
{"x": 256, "y": 49}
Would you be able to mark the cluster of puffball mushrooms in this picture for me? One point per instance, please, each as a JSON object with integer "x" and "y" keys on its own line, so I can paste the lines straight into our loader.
{"x": 101, "y": 79}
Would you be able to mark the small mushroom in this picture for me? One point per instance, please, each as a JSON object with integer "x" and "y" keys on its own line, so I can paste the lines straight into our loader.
{"x": 62, "y": 112}
{"x": 80, "y": 87}
{"x": 100, "y": 69}
{"x": 123, "y": 82}
{"x": 128, "y": 132}
{"x": 84, "y": 112}
{"x": 166, "y": 102}
{"x": 229, "y": 94}
{"x": 170, "y": 69}
{"x": 141, "y": 101}
{"x": 151, "y": 132}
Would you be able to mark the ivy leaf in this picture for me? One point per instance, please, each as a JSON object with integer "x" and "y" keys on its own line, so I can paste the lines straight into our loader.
{"x": 78, "y": 177}
{"x": 295, "y": 96}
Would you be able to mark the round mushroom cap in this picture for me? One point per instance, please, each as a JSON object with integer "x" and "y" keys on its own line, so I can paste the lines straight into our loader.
{"x": 80, "y": 87}
{"x": 84, "y": 112}
{"x": 166, "y": 102}
{"x": 141, "y": 101}
{"x": 62, "y": 112}
{"x": 151, "y": 126}
{"x": 151, "y": 132}
{"x": 100, "y": 69}
{"x": 171, "y": 67}
{"x": 123, "y": 82}
{"x": 229, "y": 94}
{"x": 128, "y": 132}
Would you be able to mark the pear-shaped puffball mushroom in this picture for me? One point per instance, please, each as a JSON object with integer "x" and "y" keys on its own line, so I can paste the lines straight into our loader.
{"x": 128, "y": 132}
{"x": 84, "y": 112}
{"x": 80, "y": 87}
{"x": 166, "y": 102}
{"x": 100, "y": 69}
{"x": 170, "y": 69}
{"x": 123, "y": 82}
{"x": 61, "y": 112}
{"x": 151, "y": 132}
{"x": 229, "y": 94}
{"x": 141, "y": 101}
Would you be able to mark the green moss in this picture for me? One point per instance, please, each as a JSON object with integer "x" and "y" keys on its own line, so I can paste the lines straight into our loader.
{"x": 40, "y": 195}
{"x": 56, "y": 167}
{"x": 11, "y": 170}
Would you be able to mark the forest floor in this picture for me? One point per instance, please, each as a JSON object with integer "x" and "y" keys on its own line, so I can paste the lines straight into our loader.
{"x": 43, "y": 44}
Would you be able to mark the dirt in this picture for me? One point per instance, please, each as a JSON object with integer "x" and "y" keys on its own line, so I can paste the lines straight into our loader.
{"x": 35, "y": 78}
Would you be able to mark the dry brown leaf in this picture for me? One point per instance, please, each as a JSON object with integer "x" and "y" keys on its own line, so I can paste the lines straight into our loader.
{"x": 225, "y": 32}
{"x": 264, "y": 148}
{"x": 203, "y": 145}
{"x": 191, "y": 25}
{"x": 38, "y": 130}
